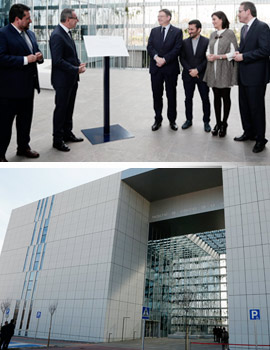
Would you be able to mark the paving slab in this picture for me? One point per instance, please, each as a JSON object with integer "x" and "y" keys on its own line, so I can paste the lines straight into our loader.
{"x": 131, "y": 107}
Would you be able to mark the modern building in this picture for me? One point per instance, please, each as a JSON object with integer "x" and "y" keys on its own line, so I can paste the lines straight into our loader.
{"x": 192, "y": 244}
{"x": 133, "y": 20}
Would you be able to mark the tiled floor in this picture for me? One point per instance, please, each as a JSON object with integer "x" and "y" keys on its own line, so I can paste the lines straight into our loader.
{"x": 131, "y": 107}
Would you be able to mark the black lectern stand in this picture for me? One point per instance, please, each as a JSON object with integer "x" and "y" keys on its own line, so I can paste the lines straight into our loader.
{"x": 108, "y": 132}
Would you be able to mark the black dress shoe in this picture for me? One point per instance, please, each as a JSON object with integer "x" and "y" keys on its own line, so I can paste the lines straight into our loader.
{"x": 61, "y": 146}
{"x": 207, "y": 127}
{"x": 72, "y": 138}
{"x": 156, "y": 126}
{"x": 28, "y": 153}
{"x": 3, "y": 159}
{"x": 223, "y": 129}
{"x": 186, "y": 124}
{"x": 259, "y": 146}
{"x": 215, "y": 130}
{"x": 174, "y": 126}
{"x": 244, "y": 137}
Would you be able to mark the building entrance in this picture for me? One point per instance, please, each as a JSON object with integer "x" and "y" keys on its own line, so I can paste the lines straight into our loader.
{"x": 186, "y": 281}
{"x": 152, "y": 329}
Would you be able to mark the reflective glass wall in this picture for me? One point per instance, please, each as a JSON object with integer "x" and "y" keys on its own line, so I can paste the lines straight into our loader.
{"x": 186, "y": 283}
{"x": 131, "y": 20}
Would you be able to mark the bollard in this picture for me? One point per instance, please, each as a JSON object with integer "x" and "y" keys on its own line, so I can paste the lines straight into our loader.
{"x": 109, "y": 337}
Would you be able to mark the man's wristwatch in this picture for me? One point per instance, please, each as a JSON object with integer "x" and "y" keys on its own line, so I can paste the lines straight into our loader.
{"x": 220, "y": 57}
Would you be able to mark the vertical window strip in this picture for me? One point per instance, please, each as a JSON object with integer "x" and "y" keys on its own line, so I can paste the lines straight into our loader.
{"x": 37, "y": 211}
{"x": 40, "y": 211}
{"x": 23, "y": 312}
{"x": 35, "y": 285}
{"x": 24, "y": 285}
{"x": 50, "y": 211}
{"x": 29, "y": 317}
{"x": 42, "y": 221}
{"x": 42, "y": 257}
{"x": 32, "y": 258}
{"x": 34, "y": 233}
{"x": 25, "y": 261}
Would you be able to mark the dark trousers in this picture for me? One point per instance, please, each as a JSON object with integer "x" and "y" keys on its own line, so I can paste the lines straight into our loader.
{"x": 22, "y": 109}
{"x": 157, "y": 81}
{"x": 63, "y": 112}
{"x": 6, "y": 343}
{"x": 189, "y": 87}
{"x": 219, "y": 96}
{"x": 252, "y": 110}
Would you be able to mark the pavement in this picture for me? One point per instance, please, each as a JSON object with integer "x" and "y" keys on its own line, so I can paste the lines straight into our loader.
{"x": 150, "y": 344}
{"x": 131, "y": 107}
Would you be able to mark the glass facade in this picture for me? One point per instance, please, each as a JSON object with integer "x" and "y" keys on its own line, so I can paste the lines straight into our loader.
{"x": 186, "y": 283}
{"x": 131, "y": 20}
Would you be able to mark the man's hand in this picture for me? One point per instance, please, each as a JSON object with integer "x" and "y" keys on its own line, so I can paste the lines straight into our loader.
{"x": 194, "y": 72}
{"x": 31, "y": 58}
{"x": 160, "y": 61}
{"x": 238, "y": 57}
{"x": 39, "y": 56}
{"x": 82, "y": 68}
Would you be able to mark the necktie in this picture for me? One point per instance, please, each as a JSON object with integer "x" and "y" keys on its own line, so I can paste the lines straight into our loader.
{"x": 27, "y": 40}
{"x": 163, "y": 33}
{"x": 245, "y": 30}
{"x": 70, "y": 34}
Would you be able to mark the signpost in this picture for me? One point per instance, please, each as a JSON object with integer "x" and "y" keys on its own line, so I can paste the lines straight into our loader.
{"x": 145, "y": 316}
{"x": 254, "y": 315}
{"x": 38, "y": 315}
{"x": 7, "y": 313}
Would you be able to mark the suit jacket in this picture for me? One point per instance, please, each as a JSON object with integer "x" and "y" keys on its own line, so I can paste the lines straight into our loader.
{"x": 254, "y": 69}
{"x": 65, "y": 61}
{"x": 17, "y": 80}
{"x": 191, "y": 61}
{"x": 169, "y": 49}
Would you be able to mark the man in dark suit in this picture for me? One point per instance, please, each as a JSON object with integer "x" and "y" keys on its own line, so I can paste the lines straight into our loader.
{"x": 66, "y": 68}
{"x": 253, "y": 58}
{"x": 193, "y": 60}
{"x": 164, "y": 46}
{"x": 19, "y": 54}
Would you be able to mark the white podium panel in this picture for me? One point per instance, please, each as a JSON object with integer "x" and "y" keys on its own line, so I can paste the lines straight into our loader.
{"x": 102, "y": 46}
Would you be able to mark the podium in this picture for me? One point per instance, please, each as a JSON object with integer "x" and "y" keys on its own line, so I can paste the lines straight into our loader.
{"x": 106, "y": 47}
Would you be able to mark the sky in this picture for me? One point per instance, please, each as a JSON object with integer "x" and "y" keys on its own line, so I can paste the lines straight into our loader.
{"x": 20, "y": 186}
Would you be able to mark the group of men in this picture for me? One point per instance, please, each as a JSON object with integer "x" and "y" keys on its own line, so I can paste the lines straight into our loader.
{"x": 7, "y": 332}
{"x": 165, "y": 45}
{"x": 19, "y": 56}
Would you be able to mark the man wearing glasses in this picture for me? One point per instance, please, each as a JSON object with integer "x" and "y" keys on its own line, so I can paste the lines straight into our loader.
{"x": 164, "y": 46}
{"x": 66, "y": 68}
{"x": 254, "y": 74}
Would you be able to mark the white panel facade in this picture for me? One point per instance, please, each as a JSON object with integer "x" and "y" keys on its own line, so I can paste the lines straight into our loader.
{"x": 187, "y": 204}
{"x": 247, "y": 222}
{"x": 77, "y": 261}
{"x": 126, "y": 291}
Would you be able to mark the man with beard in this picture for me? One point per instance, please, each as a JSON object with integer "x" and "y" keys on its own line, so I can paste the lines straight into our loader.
{"x": 19, "y": 54}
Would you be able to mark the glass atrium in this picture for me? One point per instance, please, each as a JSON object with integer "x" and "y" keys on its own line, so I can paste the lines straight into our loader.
{"x": 131, "y": 20}
{"x": 186, "y": 282}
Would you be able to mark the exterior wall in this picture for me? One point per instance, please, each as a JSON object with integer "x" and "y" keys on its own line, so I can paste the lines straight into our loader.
{"x": 126, "y": 289}
{"x": 77, "y": 263}
{"x": 187, "y": 204}
{"x": 247, "y": 218}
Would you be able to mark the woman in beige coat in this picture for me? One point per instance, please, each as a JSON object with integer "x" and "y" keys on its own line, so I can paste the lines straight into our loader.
{"x": 221, "y": 71}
